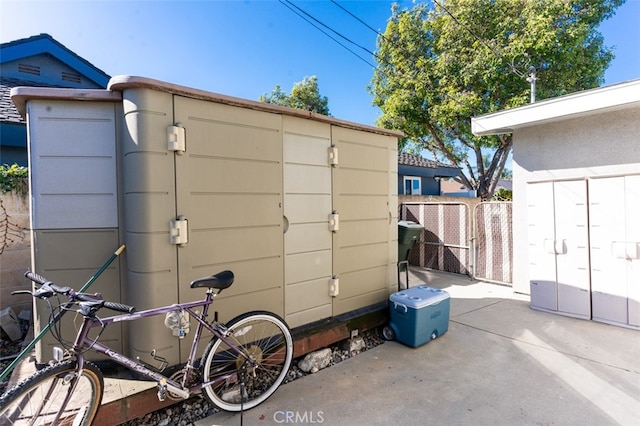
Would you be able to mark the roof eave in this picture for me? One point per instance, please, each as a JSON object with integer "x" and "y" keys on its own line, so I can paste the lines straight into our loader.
{"x": 585, "y": 103}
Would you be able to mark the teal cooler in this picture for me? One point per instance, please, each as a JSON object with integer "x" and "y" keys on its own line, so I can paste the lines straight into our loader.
{"x": 419, "y": 314}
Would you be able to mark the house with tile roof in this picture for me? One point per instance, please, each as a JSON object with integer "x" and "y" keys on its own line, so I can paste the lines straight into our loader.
{"x": 420, "y": 176}
{"x": 39, "y": 61}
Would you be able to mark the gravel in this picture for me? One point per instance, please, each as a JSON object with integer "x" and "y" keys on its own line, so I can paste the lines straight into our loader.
{"x": 193, "y": 409}
{"x": 9, "y": 350}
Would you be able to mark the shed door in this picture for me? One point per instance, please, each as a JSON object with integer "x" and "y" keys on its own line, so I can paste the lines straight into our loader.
{"x": 542, "y": 265}
{"x": 559, "y": 247}
{"x": 307, "y": 205}
{"x": 608, "y": 268}
{"x": 361, "y": 195}
{"x": 632, "y": 207}
{"x": 229, "y": 187}
{"x": 572, "y": 248}
{"x": 615, "y": 249}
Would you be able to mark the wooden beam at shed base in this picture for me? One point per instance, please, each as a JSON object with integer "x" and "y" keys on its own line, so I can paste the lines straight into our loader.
{"x": 307, "y": 339}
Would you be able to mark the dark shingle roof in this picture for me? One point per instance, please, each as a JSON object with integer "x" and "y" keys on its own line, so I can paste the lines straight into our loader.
{"x": 406, "y": 159}
{"x": 8, "y": 111}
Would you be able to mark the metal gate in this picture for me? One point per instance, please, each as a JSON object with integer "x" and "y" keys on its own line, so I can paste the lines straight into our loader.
{"x": 444, "y": 243}
{"x": 494, "y": 242}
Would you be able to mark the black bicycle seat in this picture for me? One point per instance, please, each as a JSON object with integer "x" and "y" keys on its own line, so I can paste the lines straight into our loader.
{"x": 219, "y": 281}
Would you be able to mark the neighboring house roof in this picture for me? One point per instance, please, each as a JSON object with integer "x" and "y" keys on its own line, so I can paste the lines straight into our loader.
{"x": 8, "y": 111}
{"x": 44, "y": 44}
{"x": 580, "y": 104}
{"x": 406, "y": 159}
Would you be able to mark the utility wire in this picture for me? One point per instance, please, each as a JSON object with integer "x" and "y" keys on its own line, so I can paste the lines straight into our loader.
{"x": 308, "y": 18}
{"x": 356, "y": 18}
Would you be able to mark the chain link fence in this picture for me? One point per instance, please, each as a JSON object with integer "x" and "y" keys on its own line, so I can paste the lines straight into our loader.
{"x": 494, "y": 242}
{"x": 444, "y": 243}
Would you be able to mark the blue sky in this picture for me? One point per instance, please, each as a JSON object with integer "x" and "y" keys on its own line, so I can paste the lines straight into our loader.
{"x": 245, "y": 48}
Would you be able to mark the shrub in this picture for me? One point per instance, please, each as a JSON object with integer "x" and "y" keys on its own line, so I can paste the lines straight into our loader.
{"x": 13, "y": 178}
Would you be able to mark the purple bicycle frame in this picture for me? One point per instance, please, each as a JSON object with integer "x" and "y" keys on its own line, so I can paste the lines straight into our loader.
{"x": 83, "y": 341}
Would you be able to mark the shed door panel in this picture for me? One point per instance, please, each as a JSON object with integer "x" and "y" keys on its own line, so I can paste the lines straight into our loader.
{"x": 572, "y": 246}
{"x": 229, "y": 188}
{"x": 632, "y": 207}
{"x": 361, "y": 196}
{"x": 607, "y": 232}
{"x": 307, "y": 204}
{"x": 542, "y": 266}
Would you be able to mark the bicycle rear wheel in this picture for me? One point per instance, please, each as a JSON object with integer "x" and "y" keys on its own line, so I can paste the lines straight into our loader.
{"x": 266, "y": 340}
{"x": 38, "y": 399}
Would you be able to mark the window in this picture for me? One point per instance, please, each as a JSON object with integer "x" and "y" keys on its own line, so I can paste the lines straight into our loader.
{"x": 412, "y": 185}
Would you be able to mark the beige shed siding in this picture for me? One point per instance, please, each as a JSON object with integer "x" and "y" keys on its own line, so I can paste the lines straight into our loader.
{"x": 361, "y": 197}
{"x": 229, "y": 187}
{"x": 148, "y": 182}
{"x": 70, "y": 257}
{"x": 307, "y": 204}
{"x": 73, "y": 170}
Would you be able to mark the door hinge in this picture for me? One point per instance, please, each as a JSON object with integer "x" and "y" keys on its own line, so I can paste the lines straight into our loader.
{"x": 334, "y": 287}
{"x": 334, "y": 222}
{"x": 176, "y": 140}
{"x": 179, "y": 231}
{"x": 333, "y": 156}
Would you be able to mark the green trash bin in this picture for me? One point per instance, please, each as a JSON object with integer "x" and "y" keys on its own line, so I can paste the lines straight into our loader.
{"x": 408, "y": 234}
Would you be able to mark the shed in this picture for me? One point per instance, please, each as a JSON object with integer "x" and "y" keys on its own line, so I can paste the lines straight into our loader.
{"x": 576, "y": 184}
{"x": 300, "y": 206}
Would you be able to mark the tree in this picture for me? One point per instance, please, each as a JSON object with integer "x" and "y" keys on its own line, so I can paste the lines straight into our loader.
{"x": 304, "y": 95}
{"x": 438, "y": 67}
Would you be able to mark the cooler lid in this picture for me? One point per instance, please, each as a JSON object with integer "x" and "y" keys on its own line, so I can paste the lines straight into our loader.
{"x": 417, "y": 297}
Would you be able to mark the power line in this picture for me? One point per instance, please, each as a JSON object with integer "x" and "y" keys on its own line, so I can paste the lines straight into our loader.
{"x": 308, "y": 18}
{"x": 356, "y": 18}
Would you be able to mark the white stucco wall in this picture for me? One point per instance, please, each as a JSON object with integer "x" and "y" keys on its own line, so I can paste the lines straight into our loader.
{"x": 605, "y": 144}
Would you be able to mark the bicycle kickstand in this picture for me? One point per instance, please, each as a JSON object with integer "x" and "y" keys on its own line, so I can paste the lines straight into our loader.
{"x": 243, "y": 376}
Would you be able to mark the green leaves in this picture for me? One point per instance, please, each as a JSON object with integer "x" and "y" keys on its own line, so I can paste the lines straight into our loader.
{"x": 12, "y": 178}
{"x": 304, "y": 95}
{"x": 438, "y": 67}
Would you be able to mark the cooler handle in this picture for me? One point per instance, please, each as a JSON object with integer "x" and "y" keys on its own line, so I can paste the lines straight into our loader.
{"x": 397, "y": 307}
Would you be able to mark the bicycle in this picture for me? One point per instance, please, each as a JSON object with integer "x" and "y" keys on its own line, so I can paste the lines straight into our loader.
{"x": 243, "y": 364}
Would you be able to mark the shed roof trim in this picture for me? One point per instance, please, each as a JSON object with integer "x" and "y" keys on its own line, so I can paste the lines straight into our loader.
{"x": 587, "y": 102}
{"x": 123, "y": 82}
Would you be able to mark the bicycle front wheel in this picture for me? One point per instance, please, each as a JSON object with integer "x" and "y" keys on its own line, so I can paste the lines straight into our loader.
{"x": 40, "y": 398}
{"x": 258, "y": 358}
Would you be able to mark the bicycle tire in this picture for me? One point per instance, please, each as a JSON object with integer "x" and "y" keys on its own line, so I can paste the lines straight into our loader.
{"x": 267, "y": 339}
{"x": 27, "y": 402}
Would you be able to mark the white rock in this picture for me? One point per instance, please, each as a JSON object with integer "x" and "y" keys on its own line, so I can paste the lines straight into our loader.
{"x": 315, "y": 361}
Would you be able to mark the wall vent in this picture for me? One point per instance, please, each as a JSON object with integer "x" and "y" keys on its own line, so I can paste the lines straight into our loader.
{"x": 29, "y": 69}
{"x": 71, "y": 77}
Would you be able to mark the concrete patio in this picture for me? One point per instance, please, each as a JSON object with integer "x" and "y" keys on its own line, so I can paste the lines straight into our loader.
{"x": 500, "y": 363}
